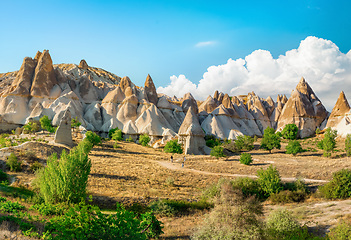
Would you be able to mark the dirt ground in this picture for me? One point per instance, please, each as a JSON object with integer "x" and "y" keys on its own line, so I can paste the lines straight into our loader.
{"x": 133, "y": 173}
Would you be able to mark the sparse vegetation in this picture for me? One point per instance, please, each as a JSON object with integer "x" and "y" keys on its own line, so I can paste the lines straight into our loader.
{"x": 117, "y": 135}
{"x": 245, "y": 158}
{"x": 173, "y": 146}
{"x": 212, "y": 141}
{"x": 30, "y": 127}
{"x": 144, "y": 139}
{"x": 45, "y": 123}
{"x": 13, "y": 163}
{"x": 75, "y": 123}
{"x": 348, "y": 145}
{"x": 244, "y": 143}
{"x": 270, "y": 140}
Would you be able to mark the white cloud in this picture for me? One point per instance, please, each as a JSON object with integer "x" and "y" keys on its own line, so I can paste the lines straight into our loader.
{"x": 204, "y": 44}
{"x": 319, "y": 61}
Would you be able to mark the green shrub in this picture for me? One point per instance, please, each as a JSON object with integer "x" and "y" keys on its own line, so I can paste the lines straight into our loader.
{"x": 281, "y": 225}
{"x": 244, "y": 142}
{"x": 348, "y": 145}
{"x": 65, "y": 180}
{"x": 233, "y": 217}
{"x": 111, "y": 132}
{"x": 75, "y": 123}
{"x": 248, "y": 186}
{"x": 269, "y": 180}
{"x": 212, "y": 141}
{"x": 162, "y": 208}
{"x": 144, "y": 139}
{"x": 328, "y": 143}
{"x": 288, "y": 196}
{"x": 217, "y": 152}
{"x": 213, "y": 190}
{"x": 342, "y": 231}
{"x": 293, "y": 147}
{"x": 45, "y": 123}
{"x": 339, "y": 186}
{"x": 30, "y": 127}
{"x": 290, "y": 131}
{"x": 87, "y": 222}
{"x": 3, "y": 177}
{"x": 47, "y": 209}
{"x": 245, "y": 158}
{"x": 115, "y": 145}
{"x": 92, "y": 137}
{"x": 117, "y": 135}
{"x": 13, "y": 163}
{"x": 270, "y": 140}
{"x": 173, "y": 146}
{"x": 170, "y": 181}
{"x": 10, "y": 207}
{"x": 130, "y": 139}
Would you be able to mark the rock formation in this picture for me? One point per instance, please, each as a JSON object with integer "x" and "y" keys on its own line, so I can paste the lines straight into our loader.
{"x": 83, "y": 64}
{"x": 150, "y": 90}
{"x": 63, "y": 133}
{"x": 191, "y": 135}
{"x": 304, "y": 109}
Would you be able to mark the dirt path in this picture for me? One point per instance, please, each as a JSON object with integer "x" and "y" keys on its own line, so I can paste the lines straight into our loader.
{"x": 178, "y": 167}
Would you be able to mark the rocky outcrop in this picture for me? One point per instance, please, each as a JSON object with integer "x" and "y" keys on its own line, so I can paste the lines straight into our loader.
{"x": 304, "y": 109}
{"x": 83, "y": 64}
{"x": 189, "y": 101}
{"x": 63, "y": 133}
{"x": 208, "y": 106}
{"x": 191, "y": 135}
{"x": 150, "y": 90}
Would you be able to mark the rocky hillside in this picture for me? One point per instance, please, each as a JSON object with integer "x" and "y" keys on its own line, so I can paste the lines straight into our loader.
{"x": 102, "y": 100}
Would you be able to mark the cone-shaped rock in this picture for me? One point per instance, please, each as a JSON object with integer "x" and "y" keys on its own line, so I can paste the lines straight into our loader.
{"x": 189, "y": 101}
{"x": 23, "y": 81}
{"x": 150, "y": 90}
{"x": 45, "y": 77}
{"x": 208, "y": 105}
{"x": 83, "y": 64}
{"x": 37, "y": 55}
{"x": 63, "y": 133}
{"x": 339, "y": 111}
{"x": 125, "y": 82}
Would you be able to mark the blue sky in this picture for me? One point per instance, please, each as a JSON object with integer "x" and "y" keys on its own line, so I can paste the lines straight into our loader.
{"x": 164, "y": 38}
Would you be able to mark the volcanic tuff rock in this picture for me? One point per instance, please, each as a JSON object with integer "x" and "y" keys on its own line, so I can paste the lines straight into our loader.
{"x": 150, "y": 90}
{"x": 83, "y": 64}
{"x": 304, "y": 109}
{"x": 63, "y": 133}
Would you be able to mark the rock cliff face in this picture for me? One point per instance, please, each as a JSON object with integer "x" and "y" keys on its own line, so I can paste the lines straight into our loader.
{"x": 304, "y": 109}
{"x": 101, "y": 101}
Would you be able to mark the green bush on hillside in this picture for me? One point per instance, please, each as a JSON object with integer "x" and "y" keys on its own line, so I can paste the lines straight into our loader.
{"x": 217, "y": 152}
{"x": 293, "y": 147}
{"x": 270, "y": 140}
{"x": 144, "y": 139}
{"x": 13, "y": 163}
{"x": 244, "y": 142}
{"x": 173, "y": 146}
{"x": 339, "y": 186}
{"x": 245, "y": 158}
{"x": 290, "y": 131}
{"x": 269, "y": 180}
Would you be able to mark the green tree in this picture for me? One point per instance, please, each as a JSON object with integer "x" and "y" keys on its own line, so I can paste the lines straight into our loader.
{"x": 245, "y": 158}
{"x": 269, "y": 180}
{"x": 111, "y": 132}
{"x": 45, "y": 123}
{"x": 244, "y": 142}
{"x": 293, "y": 147}
{"x": 75, "y": 123}
{"x": 92, "y": 137}
{"x": 30, "y": 127}
{"x": 270, "y": 140}
{"x": 217, "y": 152}
{"x": 348, "y": 145}
{"x": 212, "y": 141}
{"x": 290, "y": 131}
{"x": 117, "y": 135}
{"x": 173, "y": 146}
{"x": 328, "y": 143}
{"x": 144, "y": 139}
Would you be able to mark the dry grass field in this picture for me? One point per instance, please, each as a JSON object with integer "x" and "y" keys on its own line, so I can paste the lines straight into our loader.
{"x": 132, "y": 173}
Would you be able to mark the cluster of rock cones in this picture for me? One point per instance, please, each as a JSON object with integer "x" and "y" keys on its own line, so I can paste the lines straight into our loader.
{"x": 101, "y": 101}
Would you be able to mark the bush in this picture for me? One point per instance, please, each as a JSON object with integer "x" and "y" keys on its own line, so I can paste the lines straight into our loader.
{"x": 328, "y": 143}
{"x": 117, "y": 135}
{"x": 339, "y": 186}
{"x": 65, "y": 180}
{"x": 342, "y": 231}
{"x": 75, "y": 123}
{"x": 293, "y": 147}
{"x": 45, "y": 123}
{"x": 30, "y": 127}
{"x": 217, "y": 152}
{"x": 173, "y": 146}
{"x": 269, "y": 180}
{"x": 144, "y": 139}
{"x": 111, "y": 132}
{"x": 281, "y": 225}
{"x": 233, "y": 217}
{"x": 290, "y": 131}
{"x": 87, "y": 222}
{"x": 244, "y": 142}
{"x": 130, "y": 139}
{"x": 248, "y": 186}
{"x": 92, "y": 137}
{"x": 36, "y": 166}
{"x": 3, "y": 177}
{"x": 288, "y": 196}
{"x": 270, "y": 140}
{"x": 245, "y": 158}
{"x": 162, "y": 208}
{"x": 212, "y": 141}
{"x": 13, "y": 163}
{"x": 115, "y": 145}
{"x": 348, "y": 145}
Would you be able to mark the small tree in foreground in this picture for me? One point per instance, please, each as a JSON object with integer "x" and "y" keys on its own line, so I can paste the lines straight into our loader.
{"x": 339, "y": 186}
{"x": 144, "y": 139}
{"x": 269, "y": 180}
{"x": 45, "y": 124}
{"x": 294, "y": 147}
{"x": 270, "y": 140}
{"x": 244, "y": 142}
{"x": 328, "y": 143}
{"x": 290, "y": 131}
{"x": 173, "y": 147}
{"x": 217, "y": 152}
{"x": 245, "y": 158}
{"x": 117, "y": 135}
